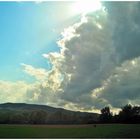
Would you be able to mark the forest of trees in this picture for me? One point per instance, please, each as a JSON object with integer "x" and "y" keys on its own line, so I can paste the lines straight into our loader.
{"x": 128, "y": 114}
{"x": 43, "y": 117}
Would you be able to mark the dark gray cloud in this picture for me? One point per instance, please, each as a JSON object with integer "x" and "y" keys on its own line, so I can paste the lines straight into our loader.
{"x": 89, "y": 54}
{"x": 122, "y": 87}
{"x": 125, "y": 20}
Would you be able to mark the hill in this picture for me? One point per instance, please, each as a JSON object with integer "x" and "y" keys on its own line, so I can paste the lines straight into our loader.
{"x": 21, "y": 113}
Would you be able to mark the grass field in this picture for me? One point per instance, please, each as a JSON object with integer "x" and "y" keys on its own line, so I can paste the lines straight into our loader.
{"x": 70, "y": 131}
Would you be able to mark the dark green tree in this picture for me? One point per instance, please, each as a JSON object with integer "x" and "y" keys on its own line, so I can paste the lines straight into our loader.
{"x": 125, "y": 115}
{"x": 106, "y": 115}
{"x": 136, "y": 114}
{"x": 129, "y": 114}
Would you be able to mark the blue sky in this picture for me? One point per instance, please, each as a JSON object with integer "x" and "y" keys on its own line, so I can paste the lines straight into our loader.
{"x": 27, "y": 30}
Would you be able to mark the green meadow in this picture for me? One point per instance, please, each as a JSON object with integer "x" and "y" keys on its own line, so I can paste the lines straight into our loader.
{"x": 71, "y": 131}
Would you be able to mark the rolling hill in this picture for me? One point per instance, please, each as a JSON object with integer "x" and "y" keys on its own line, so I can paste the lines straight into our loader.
{"x": 21, "y": 113}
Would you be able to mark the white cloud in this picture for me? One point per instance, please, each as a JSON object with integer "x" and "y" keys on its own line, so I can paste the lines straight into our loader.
{"x": 13, "y": 91}
{"x": 39, "y": 73}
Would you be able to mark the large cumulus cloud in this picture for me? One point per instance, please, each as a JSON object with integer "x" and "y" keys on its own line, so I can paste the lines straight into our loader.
{"x": 87, "y": 57}
{"x": 94, "y": 49}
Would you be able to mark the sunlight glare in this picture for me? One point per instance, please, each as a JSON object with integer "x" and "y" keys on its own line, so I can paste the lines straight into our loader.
{"x": 85, "y": 7}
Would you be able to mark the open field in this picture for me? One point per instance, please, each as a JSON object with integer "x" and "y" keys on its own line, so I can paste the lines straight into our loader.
{"x": 71, "y": 131}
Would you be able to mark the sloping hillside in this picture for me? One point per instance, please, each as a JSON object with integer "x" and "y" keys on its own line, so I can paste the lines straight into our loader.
{"x": 21, "y": 113}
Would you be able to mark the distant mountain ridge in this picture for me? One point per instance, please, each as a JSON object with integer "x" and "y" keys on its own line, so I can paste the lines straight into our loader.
{"x": 22, "y": 113}
{"x": 27, "y": 106}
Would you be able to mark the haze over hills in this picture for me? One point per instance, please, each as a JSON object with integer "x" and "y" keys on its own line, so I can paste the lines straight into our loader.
{"x": 21, "y": 113}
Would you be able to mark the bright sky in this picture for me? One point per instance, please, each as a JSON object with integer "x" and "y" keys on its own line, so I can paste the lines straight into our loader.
{"x": 27, "y": 30}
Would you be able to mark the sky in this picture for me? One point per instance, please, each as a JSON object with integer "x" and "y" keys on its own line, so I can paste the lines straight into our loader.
{"x": 64, "y": 54}
{"x": 27, "y": 29}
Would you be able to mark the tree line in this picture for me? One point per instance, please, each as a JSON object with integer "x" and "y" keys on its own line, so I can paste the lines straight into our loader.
{"x": 127, "y": 114}
{"x": 43, "y": 117}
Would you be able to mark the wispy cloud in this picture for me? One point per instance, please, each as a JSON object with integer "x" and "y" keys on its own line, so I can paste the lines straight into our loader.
{"x": 39, "y": 73}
